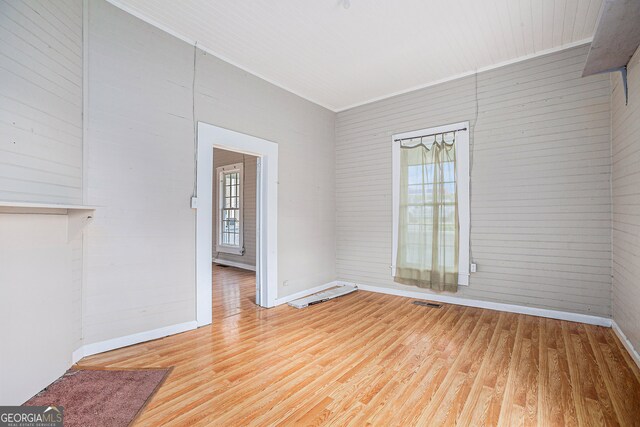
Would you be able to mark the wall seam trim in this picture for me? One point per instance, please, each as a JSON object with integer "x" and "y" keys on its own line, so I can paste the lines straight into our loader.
{"x": 611, "y": 190}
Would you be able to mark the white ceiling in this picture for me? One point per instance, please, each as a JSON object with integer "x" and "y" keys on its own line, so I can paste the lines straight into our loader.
{"x": 341, "y": 57}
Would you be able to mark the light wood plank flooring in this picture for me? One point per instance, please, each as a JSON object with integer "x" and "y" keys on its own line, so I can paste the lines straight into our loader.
{"x": 372, "y": 359}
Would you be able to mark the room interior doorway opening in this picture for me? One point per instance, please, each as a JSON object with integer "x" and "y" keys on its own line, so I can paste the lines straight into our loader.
{"x": 266, "y": 154}
{"x": 234, "y": 232}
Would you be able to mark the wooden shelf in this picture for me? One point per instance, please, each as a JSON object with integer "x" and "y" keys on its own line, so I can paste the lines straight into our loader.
{"x": 42, "y": 208}
{"x": 78, "y": 216}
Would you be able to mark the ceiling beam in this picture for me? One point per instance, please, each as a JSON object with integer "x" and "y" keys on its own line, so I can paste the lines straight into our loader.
{"x": 616, "y": 38}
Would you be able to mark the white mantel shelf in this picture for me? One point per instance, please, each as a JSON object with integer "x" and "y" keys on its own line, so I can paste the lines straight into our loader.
{"x": 42, "y": 208}
{"x": 78, "y": 216}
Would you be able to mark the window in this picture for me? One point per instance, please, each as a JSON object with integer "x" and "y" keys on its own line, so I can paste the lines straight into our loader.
{"x": 417, "y": 179}
{"x": 230, "y": 238}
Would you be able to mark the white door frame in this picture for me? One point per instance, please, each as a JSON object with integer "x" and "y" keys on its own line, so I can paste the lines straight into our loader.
{"x": 210, "y": 137}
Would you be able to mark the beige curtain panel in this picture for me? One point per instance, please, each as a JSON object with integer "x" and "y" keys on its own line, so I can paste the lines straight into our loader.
{"x": 428, "y": 225}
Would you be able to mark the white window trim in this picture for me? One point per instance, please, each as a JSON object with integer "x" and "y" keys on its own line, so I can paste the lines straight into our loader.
{"x": 462, "y": 180}
{"x": 220, "y": 172}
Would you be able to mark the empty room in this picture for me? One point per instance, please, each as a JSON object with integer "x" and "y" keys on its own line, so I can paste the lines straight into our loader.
{"x": 331, "y": 212}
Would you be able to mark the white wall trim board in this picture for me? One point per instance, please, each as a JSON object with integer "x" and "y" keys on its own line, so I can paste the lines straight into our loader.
{"x": 625, "y": 341}
{"x": 471, "y": 73}
{"x": 307, "y": 292}
{"x": 192, "y": 42}
{"x": 236, "y": 264}
{"x": 112, "y": 344}
{"x": 77, "y": 355}
{"x": 85, "y": 100}
{"x": 510, "y": 308}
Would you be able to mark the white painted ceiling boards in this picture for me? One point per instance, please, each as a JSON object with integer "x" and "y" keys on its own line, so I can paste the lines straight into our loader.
{"x": 341, "y": 57}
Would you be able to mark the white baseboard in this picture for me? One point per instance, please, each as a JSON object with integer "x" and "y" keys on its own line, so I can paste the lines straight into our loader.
{"x": 234, "y": 264}
{"x": 77, "y": 355}
{"x": 627, "y": 344}
{"x": 306, "y": 292}
{"x": 112, "y": 344}
{"x": 511, "y": 308}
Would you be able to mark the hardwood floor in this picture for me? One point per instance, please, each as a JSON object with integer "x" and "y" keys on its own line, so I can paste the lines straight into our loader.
{"x": 373, "y": 359}
{"x": 234, "y": 292}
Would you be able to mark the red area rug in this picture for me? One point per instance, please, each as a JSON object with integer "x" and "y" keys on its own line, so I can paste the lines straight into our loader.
{"x": 101, "y": 397}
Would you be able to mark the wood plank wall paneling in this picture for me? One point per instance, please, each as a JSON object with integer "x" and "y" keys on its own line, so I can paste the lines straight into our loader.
{"x": 140, "y": 247}
{"x": 41, "y": 60}
{"x": 222, "y": 158}
{"x": 626, "y": 202}
{"x": 540, "y": 206}
{"x": 305, "y": 133}
{"x": 142, "y": 102}
{"x": 41, "y": 101}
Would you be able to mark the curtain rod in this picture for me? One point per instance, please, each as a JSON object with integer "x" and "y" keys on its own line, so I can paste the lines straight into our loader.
{"x": 431, "y": 134}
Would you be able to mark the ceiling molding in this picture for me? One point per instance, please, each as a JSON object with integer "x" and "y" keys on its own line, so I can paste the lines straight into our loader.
{"x": 471, "y": 73}
{"x": 123, "y": 5}
{"x": 195, "y": 43}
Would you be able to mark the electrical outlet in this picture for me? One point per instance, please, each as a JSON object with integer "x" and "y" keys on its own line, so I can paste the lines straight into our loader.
{"x": 285, "y": 283}
{"x": 474, "y": 267}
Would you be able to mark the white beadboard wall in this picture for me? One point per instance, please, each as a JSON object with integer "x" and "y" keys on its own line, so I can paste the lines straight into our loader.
{"x": 41, "y": 101}
{"x": 626, "y": 202}
{"x": 141, "y": 247}
{"x": 305, "y": 133}
{"x": 540, "y": 204}
{"x": 222, "y": 158}
{"x": 41, "y": 57}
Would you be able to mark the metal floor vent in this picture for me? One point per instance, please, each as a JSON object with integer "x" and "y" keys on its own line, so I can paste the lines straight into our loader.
{"x": 428, "y": 304}
{"x": 323, "y": 296}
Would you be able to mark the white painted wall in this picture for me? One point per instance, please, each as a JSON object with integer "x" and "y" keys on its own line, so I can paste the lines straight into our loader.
{"x": 234, "y": 99}
{"x": 541, "y": 225}
{"x": 140, "y": 250}
{"x": 141, "y": 246}
{"x": 626, "y": 202}
{"x": 223, "y": 158}
{"x": 41, "y": 101}
{"x": 40, "y": 161}
{"x": 39, "y": 303}
{"x": 540, "y": 178}
{"x": 139, "y": 254}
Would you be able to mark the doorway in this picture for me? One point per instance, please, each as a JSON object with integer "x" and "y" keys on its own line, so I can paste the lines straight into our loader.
{"x": 266, "y": 152}
{"x": 234, "y": 233}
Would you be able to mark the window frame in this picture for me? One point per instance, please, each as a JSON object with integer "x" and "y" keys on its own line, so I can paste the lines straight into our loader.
{"x": 221, "y": 171}
{"x": 462, "y": 182}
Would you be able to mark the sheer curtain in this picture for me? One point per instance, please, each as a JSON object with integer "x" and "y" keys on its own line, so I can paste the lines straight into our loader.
{"x": 428, "y": 224}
